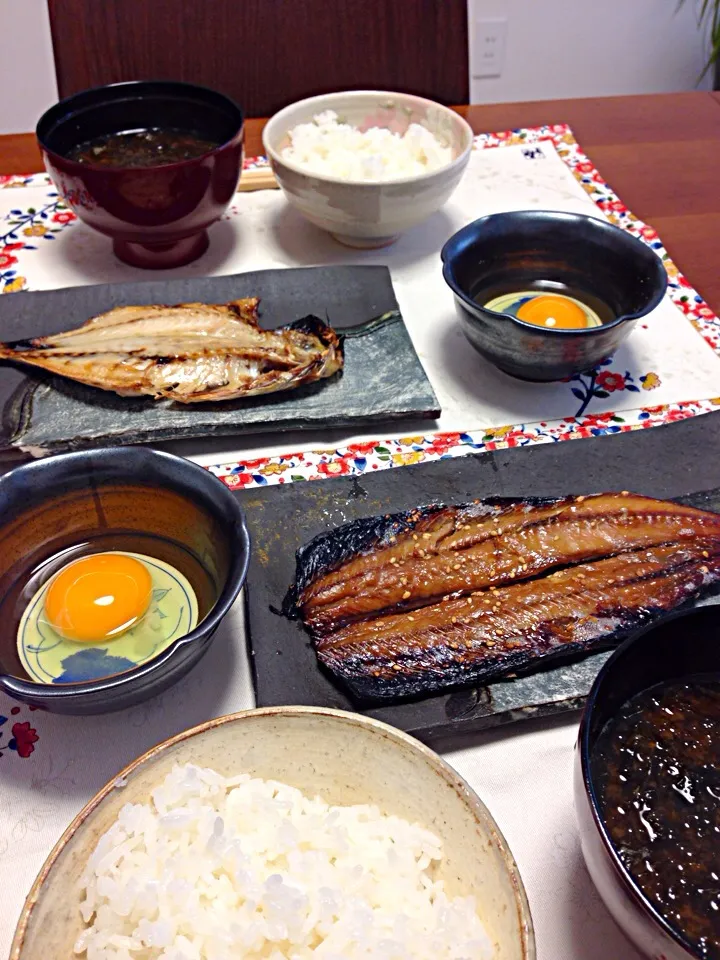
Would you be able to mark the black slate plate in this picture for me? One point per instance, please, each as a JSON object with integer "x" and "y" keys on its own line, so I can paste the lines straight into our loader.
{"x": 383, "y": 378}
{"x": 680, "y": 461}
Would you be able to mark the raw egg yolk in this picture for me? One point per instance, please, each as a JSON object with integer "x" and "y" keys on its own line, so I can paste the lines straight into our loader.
{"x": 553, "y": 312}
{"x": 98, "y": 597}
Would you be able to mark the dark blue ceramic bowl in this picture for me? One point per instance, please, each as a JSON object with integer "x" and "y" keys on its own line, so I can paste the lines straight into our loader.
{"x": 680, "y": 645}
{"x": 509, "y": 251}
{"x": 129, "y": 498}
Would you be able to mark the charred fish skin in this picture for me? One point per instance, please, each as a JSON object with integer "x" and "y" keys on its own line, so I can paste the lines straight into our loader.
{"x": 599, "y": 567}
{"x": 188, "y": 353}
{"x": 405, "y": 561}
{"x": 328, "y": 551}
{"x": 474, "y": 647}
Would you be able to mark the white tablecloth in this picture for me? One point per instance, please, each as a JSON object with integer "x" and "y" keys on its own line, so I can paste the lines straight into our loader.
{"x": 51, "y": 765}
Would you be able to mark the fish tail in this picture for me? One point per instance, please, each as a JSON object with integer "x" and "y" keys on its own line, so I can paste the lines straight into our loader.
{"x": 8, "y": 351}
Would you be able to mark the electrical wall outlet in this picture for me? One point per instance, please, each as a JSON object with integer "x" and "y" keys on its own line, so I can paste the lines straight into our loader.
{"x": 487, "y": 47}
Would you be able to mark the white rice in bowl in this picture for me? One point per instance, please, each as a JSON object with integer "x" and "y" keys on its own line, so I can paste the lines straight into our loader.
{"x": 242, "y": 869}
{"x": 326, "y": 145}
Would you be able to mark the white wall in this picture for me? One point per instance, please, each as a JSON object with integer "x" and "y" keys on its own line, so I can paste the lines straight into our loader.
{"x": 27, "y": 70}
{"x": 587, "y": 48}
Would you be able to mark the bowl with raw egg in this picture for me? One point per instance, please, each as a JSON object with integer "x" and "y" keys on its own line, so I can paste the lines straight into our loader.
{"x": 544, "y": 295}
{"x": 116, "y": 568}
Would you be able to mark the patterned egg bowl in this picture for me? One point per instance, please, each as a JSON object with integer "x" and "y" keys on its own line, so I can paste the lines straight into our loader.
{"x": 172, "y": 520}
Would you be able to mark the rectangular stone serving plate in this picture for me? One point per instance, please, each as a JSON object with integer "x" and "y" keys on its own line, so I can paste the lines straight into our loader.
{"x": 383, "y": 379}
{"x": 663, "y": 462}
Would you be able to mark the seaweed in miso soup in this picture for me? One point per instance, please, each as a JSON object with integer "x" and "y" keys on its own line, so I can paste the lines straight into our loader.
{"x": 656, "y": 768}
{"x": 142, "y": 148}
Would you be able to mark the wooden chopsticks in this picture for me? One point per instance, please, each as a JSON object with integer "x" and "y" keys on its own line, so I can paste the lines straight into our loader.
{"x": 259, "y": 179}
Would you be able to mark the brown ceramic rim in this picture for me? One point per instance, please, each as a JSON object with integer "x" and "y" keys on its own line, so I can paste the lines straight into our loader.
{"x": 443, "y": 770}
{"x": 328, "y": 99}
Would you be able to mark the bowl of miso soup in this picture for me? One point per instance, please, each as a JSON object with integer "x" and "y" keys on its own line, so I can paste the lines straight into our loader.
{"x": 647, "y": 786}
{"x": 150, "y": 164}
{"x": 544, "y": 295}
{"x": 117, "y": 567}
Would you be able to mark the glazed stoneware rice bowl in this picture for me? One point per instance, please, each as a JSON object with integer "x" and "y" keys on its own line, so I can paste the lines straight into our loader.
{"x": 681, "y": 645}
{"x": 157, "y": 217}
{"x": 554, "y": 251}
{"x": 360, "y": 213}
{"x": 131, "y": 498}
{"x": 344, "y": 758}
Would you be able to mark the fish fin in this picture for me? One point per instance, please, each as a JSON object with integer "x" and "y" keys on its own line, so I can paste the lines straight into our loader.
{"x": 8, "y": 351}
{"x": 316, "y": 327}
{"x": 309, "y": 324}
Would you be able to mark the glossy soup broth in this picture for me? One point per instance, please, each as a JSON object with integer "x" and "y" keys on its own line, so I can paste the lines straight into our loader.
{"x": 142, "y": 148}
{"x": 656, "y": 768}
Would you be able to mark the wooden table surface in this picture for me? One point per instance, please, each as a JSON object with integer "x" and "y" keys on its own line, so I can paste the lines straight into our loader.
{"x": 659, "y": 153}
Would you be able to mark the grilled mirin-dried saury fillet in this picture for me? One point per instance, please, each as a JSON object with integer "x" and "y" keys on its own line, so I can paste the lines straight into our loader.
{"x": 416, "y": 602}
{"x": 190, "y": 353}
{"x": 492, "y": 632}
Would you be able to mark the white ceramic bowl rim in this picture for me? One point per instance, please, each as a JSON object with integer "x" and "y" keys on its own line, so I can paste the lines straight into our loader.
{"x": 525, "y": 924}
{"x": 326, "y": 100}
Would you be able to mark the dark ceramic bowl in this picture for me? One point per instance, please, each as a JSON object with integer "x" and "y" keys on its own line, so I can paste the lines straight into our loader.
{"x": 157, "y": 216}
{"x": 679, "y": 645}
{"x": 509, "y": 251}
{"x": 130, "y": 498}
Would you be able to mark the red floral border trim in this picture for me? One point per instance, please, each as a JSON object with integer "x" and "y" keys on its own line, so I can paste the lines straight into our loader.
{"x": 17, "y": 736}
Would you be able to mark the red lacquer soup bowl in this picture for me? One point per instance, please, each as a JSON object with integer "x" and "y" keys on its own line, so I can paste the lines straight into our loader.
{"x": 157, "y": 216}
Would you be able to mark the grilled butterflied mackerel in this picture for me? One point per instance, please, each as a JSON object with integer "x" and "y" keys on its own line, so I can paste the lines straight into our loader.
{"x": 414, "y": 603}
{"x": 190, "y": 353}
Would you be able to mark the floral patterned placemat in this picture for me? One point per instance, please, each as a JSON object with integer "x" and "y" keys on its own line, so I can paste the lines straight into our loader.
{"x": 361, "y": 457}
{"x": 53, "y": 764}
{"x": 604, "y": 398}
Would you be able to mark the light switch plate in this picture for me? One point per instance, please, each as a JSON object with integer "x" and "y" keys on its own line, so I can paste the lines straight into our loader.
{"x": 487, "y": 47}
